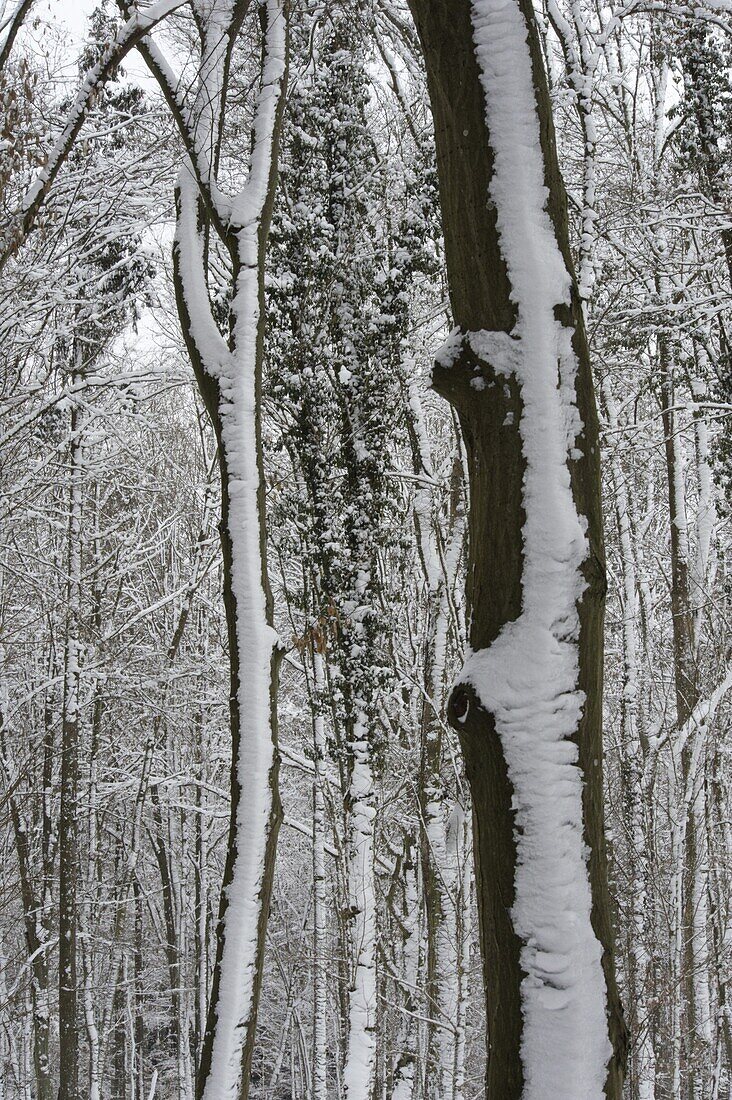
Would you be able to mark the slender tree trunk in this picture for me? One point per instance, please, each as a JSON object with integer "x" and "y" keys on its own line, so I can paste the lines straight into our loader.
{"x": 69, "y": 812}
{"x": 406, "y": 1070}
{"x": 634, "y": 747}
{"x": 719, "y": 838}
{"x": 138, "y": 1069}
{"x": 163, "y": 858}
{"x": 685, "y": 755}
{"x": 33, "y": 920}
{"x": 87, "y": 911}
{"x": 464, "y": 937}
{"x": 440, "y": 555}
{"x": 320, "y": 891}
{"x": 229, "y": 378}
{"x": 517, "y": 372}
{"x": 359, "y": 1071}
{"x": 442, "y": 891}
{"x": 201, "y": 903}
{"x": 118, "y": 1089}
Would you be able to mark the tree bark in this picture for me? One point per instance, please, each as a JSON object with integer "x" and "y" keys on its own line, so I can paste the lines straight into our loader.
{"x": 34, "y": 918}
{"x": 482, "y": 298}
{"x": 691, "y": 947}
{"x": 320, "y": 886}
{"x": 68, "y": 819}
{"x": 634, "y": 752}
{"x": 229, "y": 376}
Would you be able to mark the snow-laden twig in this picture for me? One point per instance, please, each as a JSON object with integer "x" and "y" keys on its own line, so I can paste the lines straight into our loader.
{"x": 130, "y": 34}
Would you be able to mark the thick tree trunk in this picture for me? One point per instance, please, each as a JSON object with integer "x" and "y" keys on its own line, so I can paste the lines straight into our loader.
{"x": 487, "y": 269}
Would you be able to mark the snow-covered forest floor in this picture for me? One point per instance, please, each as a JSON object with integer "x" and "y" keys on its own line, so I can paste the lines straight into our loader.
{"x": 130, "y": 311}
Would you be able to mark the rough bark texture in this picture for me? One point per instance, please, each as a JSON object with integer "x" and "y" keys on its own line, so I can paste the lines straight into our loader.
{"x": 480, "y": 298}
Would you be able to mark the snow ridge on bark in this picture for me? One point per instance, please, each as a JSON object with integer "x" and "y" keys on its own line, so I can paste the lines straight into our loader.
{"x": 528, "y": 678}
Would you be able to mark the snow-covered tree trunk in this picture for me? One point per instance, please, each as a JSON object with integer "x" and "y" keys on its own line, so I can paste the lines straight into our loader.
{"x": 441, "y": 872}
{"x": 527, "y": 705}
{"x": 201, "y": 934}
{"x": 68, "y": 989}
{"x": 359, "y": 1070}
{"x": 336, "y": 341}
{"x": 684, "y": 762}
{"x": 37, "y": 1036}
{"x": 465, "y": 901}
{"x": 320, "y": 884}
{"x": 634, "y": 744}
{"x": 92, "y": 870}
{"x": 405, "y": 1083}
{"x": 694, "y": 713}
{"x": 720, "y": 831}
{"x": 229, "y": 377}
{"x": 581, "y": 62}
{"x": 164, "y": 849}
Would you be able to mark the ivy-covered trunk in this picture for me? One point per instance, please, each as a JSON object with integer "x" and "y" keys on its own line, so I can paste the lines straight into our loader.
{"x": 336, "y": 339}
{"x": 528, "y": 703}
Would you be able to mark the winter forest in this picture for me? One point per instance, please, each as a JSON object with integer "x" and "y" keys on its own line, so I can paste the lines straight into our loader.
{"x": 365, "y": 496}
